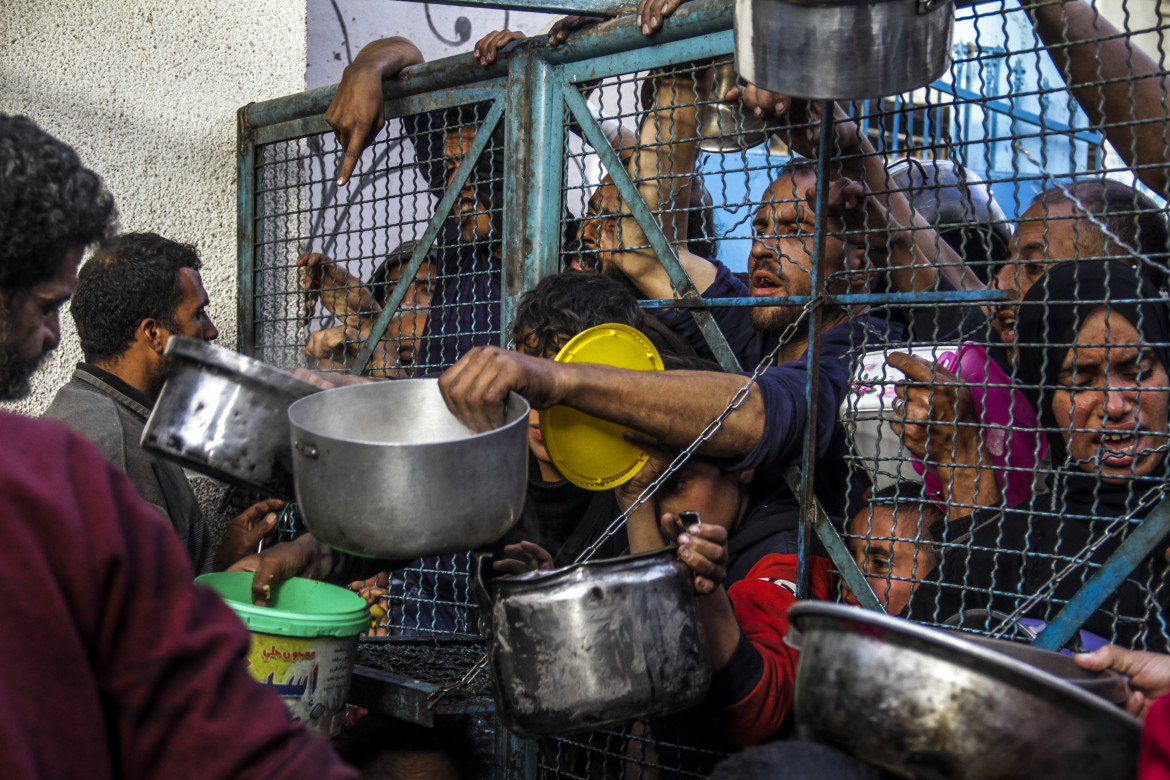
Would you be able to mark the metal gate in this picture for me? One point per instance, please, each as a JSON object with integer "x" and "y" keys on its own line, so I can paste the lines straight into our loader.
{"x": 418, "y": 272}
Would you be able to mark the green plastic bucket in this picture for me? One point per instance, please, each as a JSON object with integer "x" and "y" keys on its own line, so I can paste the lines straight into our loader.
{"x": 303, "y": 645}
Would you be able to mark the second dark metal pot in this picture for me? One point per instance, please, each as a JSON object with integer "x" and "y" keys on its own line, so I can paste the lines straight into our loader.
{"x": 594, "y": 644}
{"x": 842, "y": 49}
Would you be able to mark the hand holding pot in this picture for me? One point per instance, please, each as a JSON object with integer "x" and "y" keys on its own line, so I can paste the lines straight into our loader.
{"x": 522, "y": 558}
{"x": 245, "y": 531}
{"x": 302, "y": 557}
{"x": 476, "y": 388}
{"x": 1149, "y": 673}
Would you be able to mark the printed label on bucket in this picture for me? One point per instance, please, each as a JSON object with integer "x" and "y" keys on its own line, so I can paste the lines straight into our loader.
{"x": 310, "y": 674}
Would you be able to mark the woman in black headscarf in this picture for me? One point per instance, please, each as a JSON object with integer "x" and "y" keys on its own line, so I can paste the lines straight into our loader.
{"x": 1094, "y": 348}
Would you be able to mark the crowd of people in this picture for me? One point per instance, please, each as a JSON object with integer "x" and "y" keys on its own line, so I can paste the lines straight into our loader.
{"x": 1075, "y": 337}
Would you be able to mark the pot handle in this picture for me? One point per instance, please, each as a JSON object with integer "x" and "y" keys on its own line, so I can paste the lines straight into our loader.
{"x": 482, "y": 595}
{"x": 307, "y": 449}
{"x": 794, "y": 638}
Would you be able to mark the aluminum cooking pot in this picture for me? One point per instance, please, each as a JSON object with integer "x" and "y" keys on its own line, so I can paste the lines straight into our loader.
{"x": 224, "y": 414}
{"x": 930, "y": 703}
{"x": 593, "y": 644}
{"x": 384, "y": 470}
{"x": 842, "y": 49}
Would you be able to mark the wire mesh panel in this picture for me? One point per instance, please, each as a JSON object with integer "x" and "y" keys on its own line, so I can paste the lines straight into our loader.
{"x": 326, "y": 268}
{"x": 950, "y": 303}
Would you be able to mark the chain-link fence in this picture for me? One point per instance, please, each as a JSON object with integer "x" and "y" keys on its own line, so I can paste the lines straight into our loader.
{"x": 990, "y": 449}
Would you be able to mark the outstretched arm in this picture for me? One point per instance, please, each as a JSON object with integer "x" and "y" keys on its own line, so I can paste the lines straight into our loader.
{"x": 1120, "y": 87}
{"x": 887, "y": 243}
{"x": 341, "y": 293}
{"x": 662, "y": 167}
{"x": 357, "y": 111}
{"x": 672, "y": 406}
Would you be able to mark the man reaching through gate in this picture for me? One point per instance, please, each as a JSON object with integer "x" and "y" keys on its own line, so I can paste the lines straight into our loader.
{"x": 765, "y": 431}
{"x": 465, "y": 291}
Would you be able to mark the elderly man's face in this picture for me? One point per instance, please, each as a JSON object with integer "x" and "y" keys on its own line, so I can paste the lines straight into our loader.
{"x": 1115, "y": 417}
{"x": 781, "y": 259}
{"x": 30, "y": 327}
{"x": 889, "y": 554}
{"x": 475, "y": 221}
{"x": 1045, "y": 234}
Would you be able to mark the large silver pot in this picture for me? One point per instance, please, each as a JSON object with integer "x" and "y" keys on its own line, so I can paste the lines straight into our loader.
{"x": 929, "y": 703}
{"x": 384, "y": 470}
{"x": 842, "y": 49}
{"x": 225, "y": 414}
{"x": 593, "y": 644}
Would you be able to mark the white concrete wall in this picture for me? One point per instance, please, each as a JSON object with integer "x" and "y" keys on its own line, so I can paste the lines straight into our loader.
{"x": 147, "y": 92}
{"x": 438, "y": 30}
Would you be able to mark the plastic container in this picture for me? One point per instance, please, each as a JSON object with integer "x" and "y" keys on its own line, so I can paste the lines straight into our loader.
{"x": 1010, "y": 429}
{"x": 1008, "y": 423}
{"x": 303, "y": 646}
{"x": 588, "y": 451}
{"x": 868, "y": 410}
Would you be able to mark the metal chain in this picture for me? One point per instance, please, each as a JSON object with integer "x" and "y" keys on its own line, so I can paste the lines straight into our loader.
{"x": 706, "y": 434}
{"x": 463, "y": 682}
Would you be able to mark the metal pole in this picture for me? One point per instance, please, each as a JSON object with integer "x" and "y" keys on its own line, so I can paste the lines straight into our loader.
{"x": 245, "y": 236}
{"x": 1131, "y": 552}
{"x": 808, "y": 507}
{"x": 622, "y": 34}
{"x": 534, "y": 133}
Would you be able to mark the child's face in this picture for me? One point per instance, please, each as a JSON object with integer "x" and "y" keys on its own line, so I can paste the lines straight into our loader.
{"x": 701, "y": 487}
{"x": 889, "y": 555}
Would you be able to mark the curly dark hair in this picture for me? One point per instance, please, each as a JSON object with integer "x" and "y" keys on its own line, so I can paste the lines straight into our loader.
{"x": 49, "y": 202}
{"x": 562, "y": 305}
{"x": 130, "y": 278}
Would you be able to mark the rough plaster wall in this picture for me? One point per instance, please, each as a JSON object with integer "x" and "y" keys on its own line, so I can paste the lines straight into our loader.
{"x": 147, "y": 93}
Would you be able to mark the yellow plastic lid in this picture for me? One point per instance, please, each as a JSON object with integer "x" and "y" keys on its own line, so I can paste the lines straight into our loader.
{"x": 590, "y": 452}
